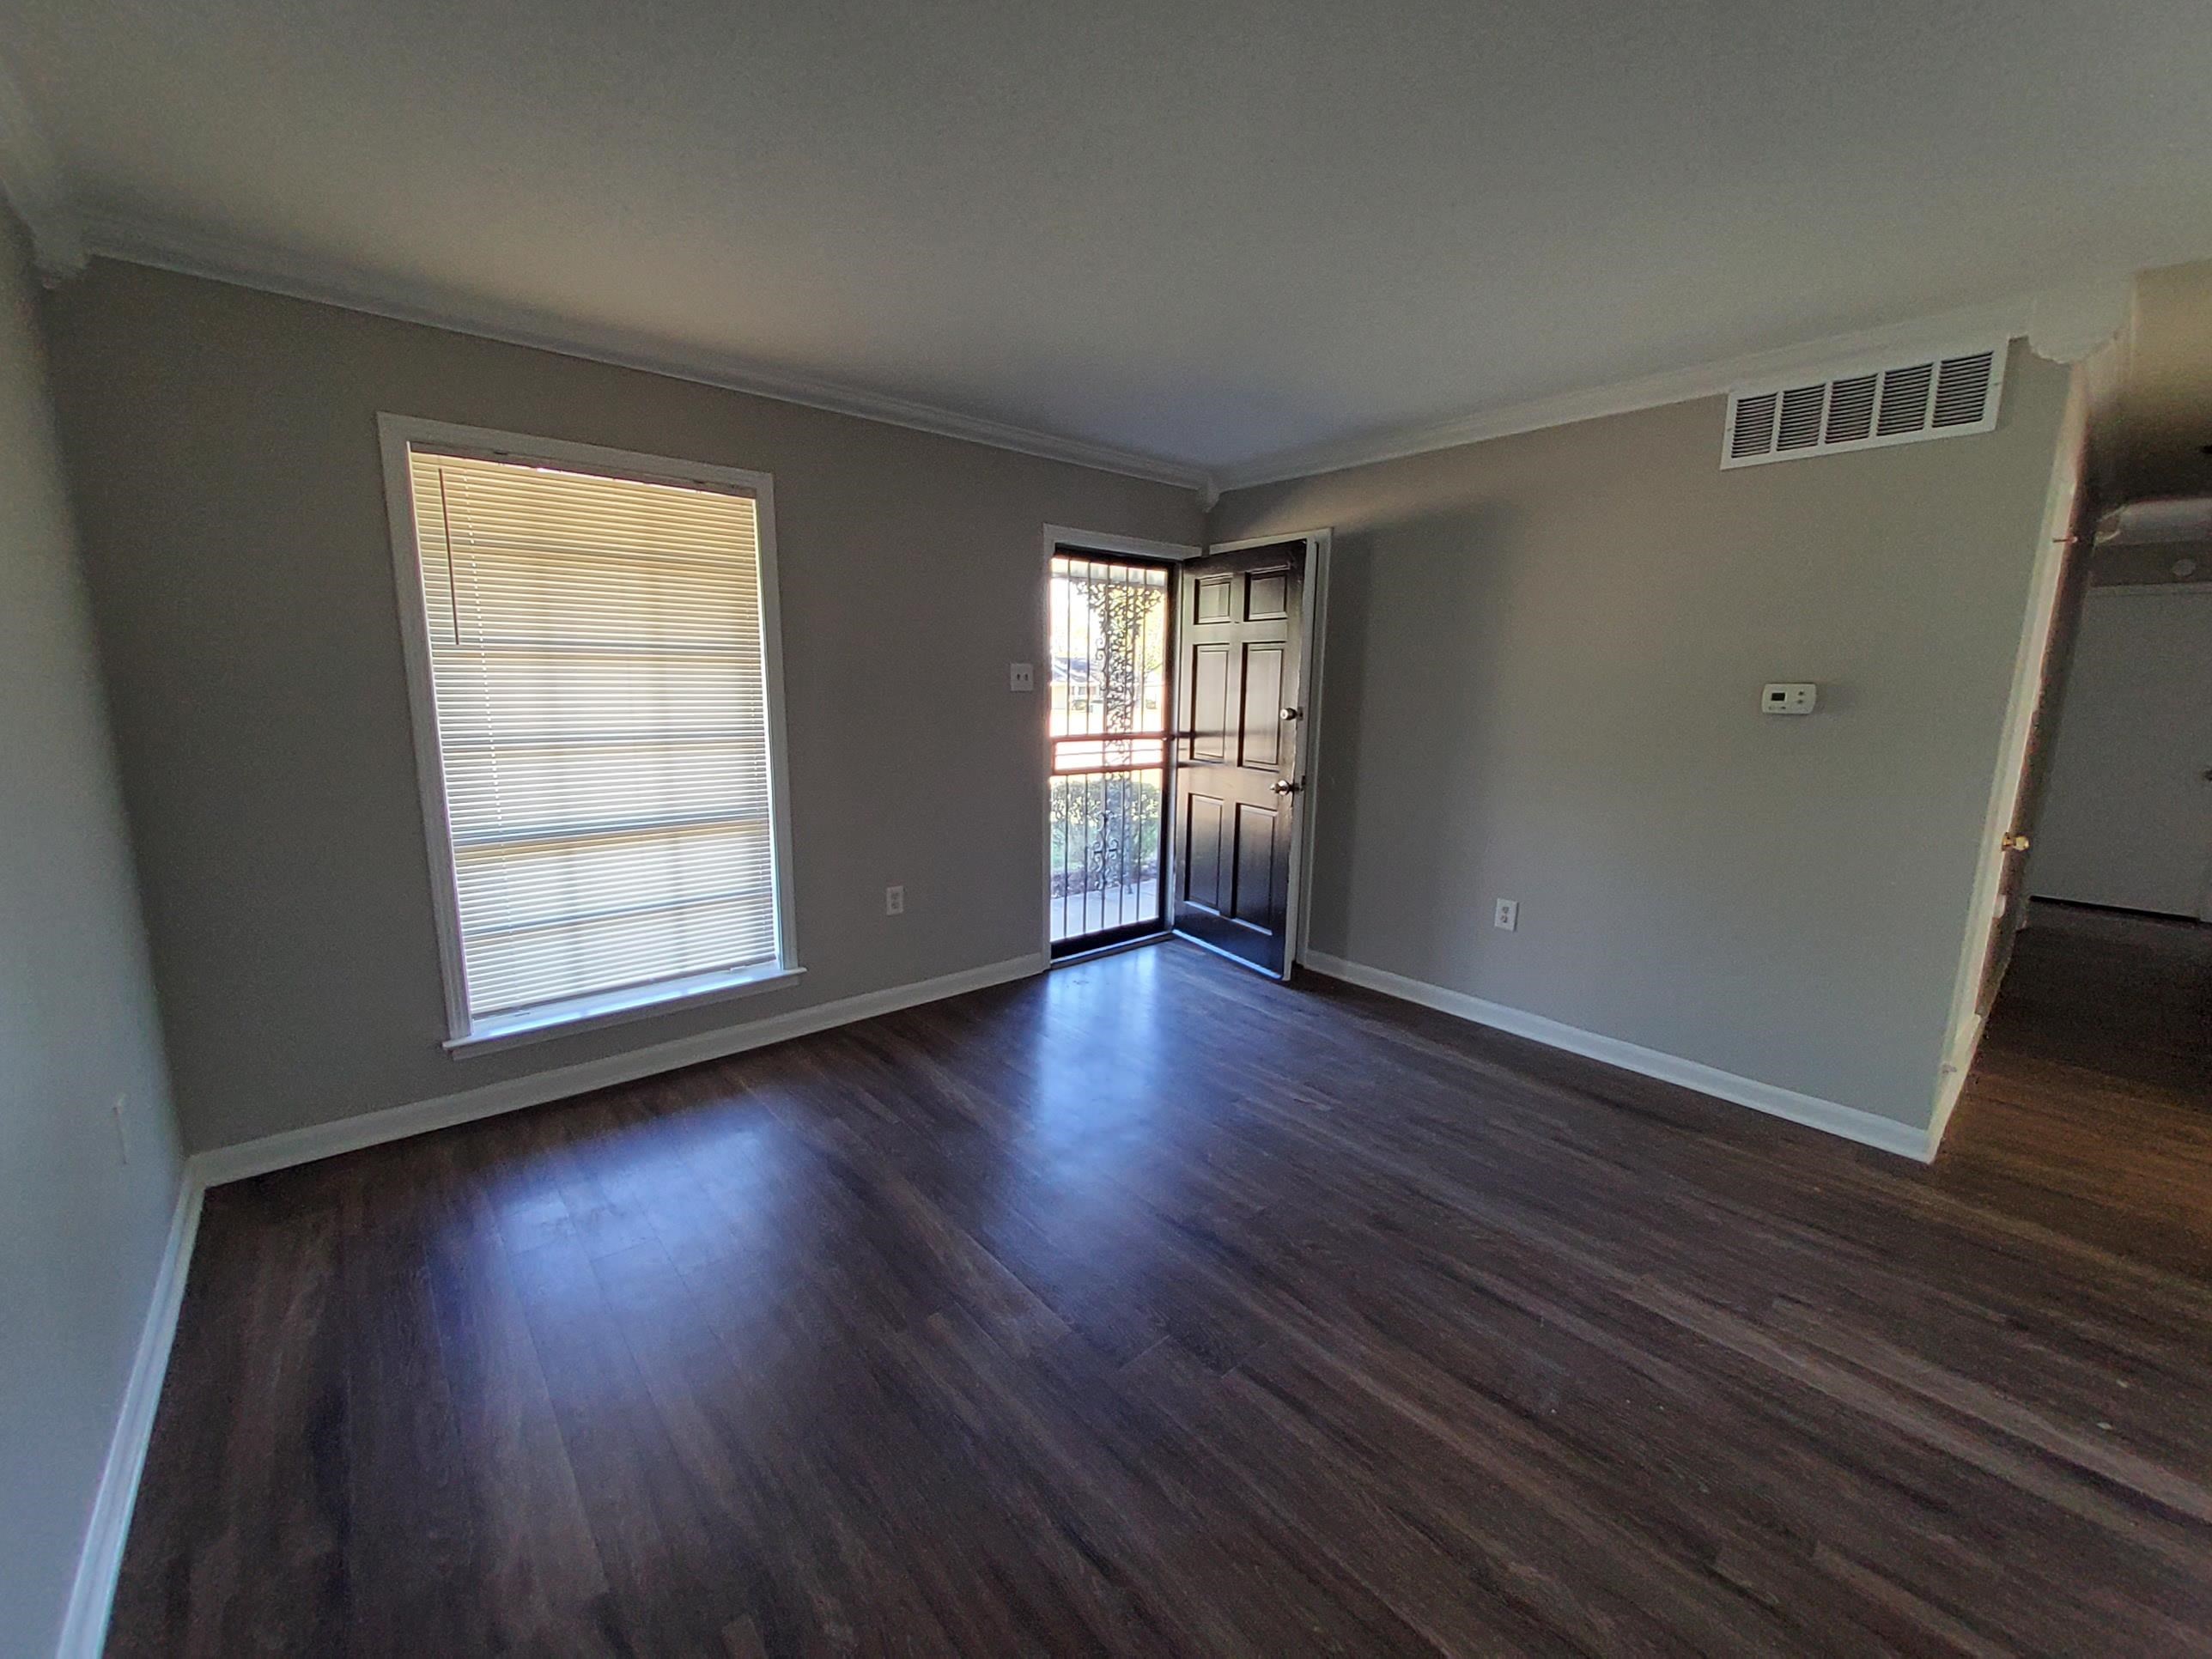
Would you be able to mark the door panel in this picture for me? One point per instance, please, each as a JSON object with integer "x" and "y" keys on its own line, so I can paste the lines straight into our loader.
{"x": 1212, "y": 596}
{"x": 1203, "y": 863}
{"x": 1209, "y": 702}
{"x": 1238, "y": 623}
{"x": 1259, "y": 735}
{"x": 1254, "y": 901}
{"x": 1267, "y": 597}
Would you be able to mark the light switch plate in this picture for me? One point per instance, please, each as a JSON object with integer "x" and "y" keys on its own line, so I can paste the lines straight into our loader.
{"x": 1021, "y": 677}
{"x": 1788, "y": 697}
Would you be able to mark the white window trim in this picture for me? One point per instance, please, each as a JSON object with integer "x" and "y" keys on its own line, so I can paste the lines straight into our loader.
{"x": 465, "y": 1037}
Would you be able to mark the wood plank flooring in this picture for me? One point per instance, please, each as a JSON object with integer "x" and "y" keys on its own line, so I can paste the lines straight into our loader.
{"x": 1149, "y": 1308}
{"x": 2091, "y": 1110}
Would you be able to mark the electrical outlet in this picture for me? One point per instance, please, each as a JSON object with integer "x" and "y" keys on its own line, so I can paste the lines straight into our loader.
{"x": 1507, "y": 914}
{"x": 894, "y": 900}
{"x": 122, "y": 1128}
{"x": 1021, "y": 677}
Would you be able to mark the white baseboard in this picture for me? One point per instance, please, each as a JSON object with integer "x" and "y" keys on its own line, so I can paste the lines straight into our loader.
{"x": 1869, "y": 1128}
{"x": 320, "y": 1141}
{"x": 100, "y": 1564}
{"x": 84, "y": 1627}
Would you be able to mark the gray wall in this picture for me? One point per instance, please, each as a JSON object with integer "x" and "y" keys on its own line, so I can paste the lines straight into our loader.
{"x": 1544, "y": 659}
{"x": 224, "y": 448}
{"x": 2125, "y": 820}
{"x": 2139, "y": 567}
{"x": 81, "y": 1230}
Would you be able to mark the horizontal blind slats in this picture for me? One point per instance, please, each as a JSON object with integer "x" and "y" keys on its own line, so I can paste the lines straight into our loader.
{"x": 596, "y": 667}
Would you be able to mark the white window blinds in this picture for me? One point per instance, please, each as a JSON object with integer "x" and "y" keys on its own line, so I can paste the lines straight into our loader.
{"x": 596, "y": 657}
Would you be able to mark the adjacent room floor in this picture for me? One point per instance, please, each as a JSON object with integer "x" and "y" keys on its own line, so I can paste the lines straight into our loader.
{"x": 1148, "y": 1307}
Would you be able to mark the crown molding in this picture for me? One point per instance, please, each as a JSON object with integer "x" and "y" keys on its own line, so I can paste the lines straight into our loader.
{"x": 2073, "y": 323}
{"x": 190, "y": 253}
{"x": 31, "y": 182}
{"x": 2061, "y": 324}
{"x": 2004, "y": 319}
{"x": 65, "y": 240}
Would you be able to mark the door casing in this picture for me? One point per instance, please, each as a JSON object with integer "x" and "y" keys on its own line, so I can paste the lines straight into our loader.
{"x": 2064, "y": 502}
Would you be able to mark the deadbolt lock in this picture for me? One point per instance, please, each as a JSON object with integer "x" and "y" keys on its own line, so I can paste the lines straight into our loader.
{"x": 2014, "y": 843}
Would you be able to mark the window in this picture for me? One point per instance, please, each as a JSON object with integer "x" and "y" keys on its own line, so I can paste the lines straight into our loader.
{"x": 593, "y": 649}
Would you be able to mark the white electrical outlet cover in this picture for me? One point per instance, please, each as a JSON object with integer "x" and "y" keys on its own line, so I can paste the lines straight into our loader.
{"x": 1021, "y": 677}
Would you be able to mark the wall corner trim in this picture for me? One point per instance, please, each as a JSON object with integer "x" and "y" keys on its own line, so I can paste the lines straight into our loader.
{"x": 1850, "y": 1122}
{"x": 247, "y": 1160}
{"x": 99, "y": 1563}
{"x": 2068, "y": 324}
{"x": 33, "y": 187}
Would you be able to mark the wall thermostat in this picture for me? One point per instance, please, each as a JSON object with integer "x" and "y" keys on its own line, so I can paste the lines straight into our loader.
{"x": 1793, "y": 697}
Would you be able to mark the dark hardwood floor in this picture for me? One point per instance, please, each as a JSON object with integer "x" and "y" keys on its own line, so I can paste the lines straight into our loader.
{"x": 1150, "y": 1308}
{"x": 2091, "y": 1110}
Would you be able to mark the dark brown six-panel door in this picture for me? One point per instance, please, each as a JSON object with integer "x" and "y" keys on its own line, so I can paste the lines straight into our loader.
{"x": 1238, "y": 695}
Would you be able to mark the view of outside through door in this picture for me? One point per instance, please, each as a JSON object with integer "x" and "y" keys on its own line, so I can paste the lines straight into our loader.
{"x": 1108, "y": 735}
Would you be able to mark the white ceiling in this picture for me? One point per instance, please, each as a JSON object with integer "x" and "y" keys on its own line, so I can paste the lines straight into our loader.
{"x": 1205, "y": 232}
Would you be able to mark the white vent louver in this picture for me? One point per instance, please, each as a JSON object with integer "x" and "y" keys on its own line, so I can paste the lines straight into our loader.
{"x": 1940, "y": 395}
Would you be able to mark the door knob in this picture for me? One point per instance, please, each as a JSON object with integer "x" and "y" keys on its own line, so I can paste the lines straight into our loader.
{"x": 2014, "y": 843}
{"x": 1285, "y": 786}
{"x": 1293, "y": 714}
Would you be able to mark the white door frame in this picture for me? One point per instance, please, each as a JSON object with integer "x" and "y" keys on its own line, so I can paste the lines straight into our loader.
{"x": 1963, "y": 1033}
{"x": 1312, "y": 625}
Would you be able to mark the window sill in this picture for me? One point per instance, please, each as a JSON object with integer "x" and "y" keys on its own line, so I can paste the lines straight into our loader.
{"x": 557, "y": 1019}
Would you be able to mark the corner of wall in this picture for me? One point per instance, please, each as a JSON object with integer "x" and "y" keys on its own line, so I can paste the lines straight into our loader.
{"x": 96, "y": 1212}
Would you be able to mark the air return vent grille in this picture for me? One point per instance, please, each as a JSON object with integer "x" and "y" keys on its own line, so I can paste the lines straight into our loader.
{"x": 1939, "y": 395}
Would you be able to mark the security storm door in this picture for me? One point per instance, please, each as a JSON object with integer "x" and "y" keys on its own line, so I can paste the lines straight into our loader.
{"x": 1239, "y": 627}
{"x": 1107, "y": 741}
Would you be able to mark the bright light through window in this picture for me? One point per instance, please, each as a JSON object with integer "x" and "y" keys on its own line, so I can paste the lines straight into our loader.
{"x": 598, "y": 666}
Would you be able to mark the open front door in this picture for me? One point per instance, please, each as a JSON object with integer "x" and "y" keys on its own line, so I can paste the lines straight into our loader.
{"x": 1240, "y": 683}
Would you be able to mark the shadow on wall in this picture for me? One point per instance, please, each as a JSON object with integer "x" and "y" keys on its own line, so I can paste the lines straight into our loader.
{"x": 1457, "y": 581}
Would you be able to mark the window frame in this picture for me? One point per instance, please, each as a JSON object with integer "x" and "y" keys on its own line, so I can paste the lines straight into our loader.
{"x": 397, "y": 434}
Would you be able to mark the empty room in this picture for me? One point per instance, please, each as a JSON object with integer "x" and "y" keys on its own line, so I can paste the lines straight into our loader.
{"x": 990, "y": 830}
